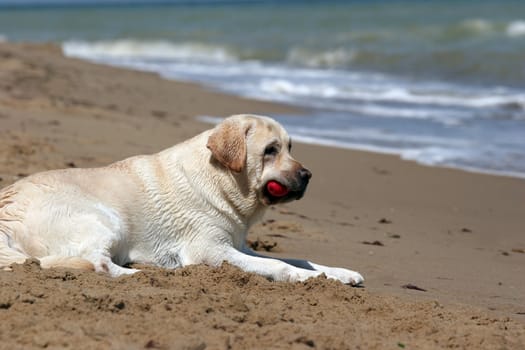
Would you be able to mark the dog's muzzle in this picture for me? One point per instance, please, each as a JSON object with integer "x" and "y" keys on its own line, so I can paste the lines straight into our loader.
{"x": 295, "y": 184}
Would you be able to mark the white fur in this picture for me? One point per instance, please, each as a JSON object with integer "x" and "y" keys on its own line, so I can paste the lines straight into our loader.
{"x": 171, "y": 209}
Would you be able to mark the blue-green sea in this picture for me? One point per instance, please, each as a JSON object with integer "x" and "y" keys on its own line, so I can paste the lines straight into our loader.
{"x": 438, "y": 82}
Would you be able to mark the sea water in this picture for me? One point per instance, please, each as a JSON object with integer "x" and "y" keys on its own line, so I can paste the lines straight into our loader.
{"x": 438, "y": 82}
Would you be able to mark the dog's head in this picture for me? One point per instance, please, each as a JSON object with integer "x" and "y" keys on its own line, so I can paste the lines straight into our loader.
{"x": 258, "y": 148}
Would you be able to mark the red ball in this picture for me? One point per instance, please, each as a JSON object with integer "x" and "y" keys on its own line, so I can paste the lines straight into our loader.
{"x": 276, "y": 189}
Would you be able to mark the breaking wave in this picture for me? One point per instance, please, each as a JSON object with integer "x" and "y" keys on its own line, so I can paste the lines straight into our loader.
{"x": 142, "y": 49}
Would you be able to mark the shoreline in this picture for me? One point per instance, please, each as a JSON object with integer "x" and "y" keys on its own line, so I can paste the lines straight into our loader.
{"x": 457, "y": 235}
{"x": 371, "y": 150}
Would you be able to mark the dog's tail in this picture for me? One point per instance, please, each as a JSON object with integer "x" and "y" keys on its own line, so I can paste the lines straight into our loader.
{"x": 9, "y": 256}
{"x": 71, "y": 262}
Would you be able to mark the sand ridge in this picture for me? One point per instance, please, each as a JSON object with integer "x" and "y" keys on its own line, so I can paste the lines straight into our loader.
{"x": 201, "y": 307}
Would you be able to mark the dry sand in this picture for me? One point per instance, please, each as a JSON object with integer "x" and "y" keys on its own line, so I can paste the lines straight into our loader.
{"x": 459, "y": 236}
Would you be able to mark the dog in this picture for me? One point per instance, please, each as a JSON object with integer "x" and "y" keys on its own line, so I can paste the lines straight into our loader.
{"x": 192, "y": 203}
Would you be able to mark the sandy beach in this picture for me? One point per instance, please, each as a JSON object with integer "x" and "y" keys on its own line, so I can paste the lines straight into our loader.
{"x": 442, "y": 250}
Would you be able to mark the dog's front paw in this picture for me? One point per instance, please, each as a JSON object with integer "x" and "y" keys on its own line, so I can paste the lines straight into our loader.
{"x": 345, "y": 276}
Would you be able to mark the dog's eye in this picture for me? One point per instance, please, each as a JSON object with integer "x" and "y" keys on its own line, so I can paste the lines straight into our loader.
{"x": 271, "y": 150}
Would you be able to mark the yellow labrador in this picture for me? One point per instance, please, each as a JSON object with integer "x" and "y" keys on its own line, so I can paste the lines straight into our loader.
{"x": 189, "y": 204}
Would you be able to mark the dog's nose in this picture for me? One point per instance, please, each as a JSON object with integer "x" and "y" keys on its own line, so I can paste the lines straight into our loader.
{"x": 305, "y": 174}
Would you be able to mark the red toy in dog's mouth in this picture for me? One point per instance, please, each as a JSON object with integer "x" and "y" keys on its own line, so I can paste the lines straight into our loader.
{"x": 276, "y": 189}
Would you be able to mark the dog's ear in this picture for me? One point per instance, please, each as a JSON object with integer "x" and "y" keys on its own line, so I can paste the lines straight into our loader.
{"x": 227, "y": 144}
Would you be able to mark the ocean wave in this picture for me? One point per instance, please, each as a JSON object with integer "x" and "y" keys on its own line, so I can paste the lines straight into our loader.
{"x": 3, "y": 38}
{"x": 336, "y": 58}
{"x": 144, "y": 49}
{"x": 477, "y": 26}
{"x": 516, "y": 28}
{"x": 287, "y": 87}
{"x": 446, "y": 63}
{"x": 361, "y": 93}
{"x": 420, "y": 95}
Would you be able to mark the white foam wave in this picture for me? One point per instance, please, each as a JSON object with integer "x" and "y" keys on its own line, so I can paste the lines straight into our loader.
{"x": 458, "y": 155}
{"x": 377, "y": 136}
{"x": 449, "y": 117}
{"x": 282, "y": 86}
{"x": 143, "y": 49}
{"x": 400, "y": 94}
{"x": 516, "y": 28}
{"x": 3, "y": 38}
{"x": 418, "y": 95}
{"x": 330, "y": 59}
{"x": 482, "y": 26}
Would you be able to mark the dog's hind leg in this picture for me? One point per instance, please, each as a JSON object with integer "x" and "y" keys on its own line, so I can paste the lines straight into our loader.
{"x": 104, "y": 264}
